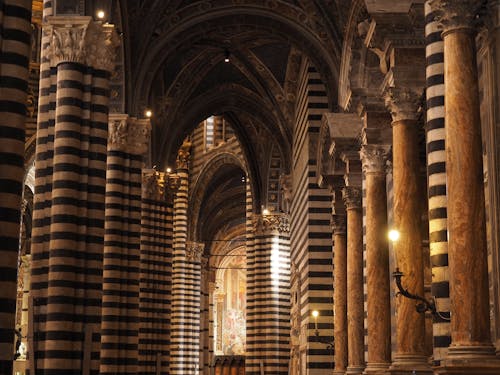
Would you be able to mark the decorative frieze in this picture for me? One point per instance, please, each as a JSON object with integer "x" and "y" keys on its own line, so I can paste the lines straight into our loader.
{"x": 129, "y": 135}
{"x": 352, "y": 197}
{"x": 271, "y": 223}
{"x": 403, "y": 103}
{"x": 455, "y": 14}
{"x": 80, "y": 40}
{"x": 194, "y": 251}
{"x": 374, "y": 158}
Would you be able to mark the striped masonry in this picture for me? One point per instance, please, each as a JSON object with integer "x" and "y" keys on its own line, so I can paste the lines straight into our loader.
{"x": 204, "y": 318}
{"x": 436, "y": 171}
{"x": 268, "y": 297}
{"x": 186, "y": 275}
{"x": 311, "y": 244}
{"x": 128, "y": 141}
{"x": 15, "y": 39}
{"x": 155, "y": 283}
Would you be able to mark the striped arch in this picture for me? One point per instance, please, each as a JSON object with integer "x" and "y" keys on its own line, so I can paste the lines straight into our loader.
{"x": 201, "y": 184}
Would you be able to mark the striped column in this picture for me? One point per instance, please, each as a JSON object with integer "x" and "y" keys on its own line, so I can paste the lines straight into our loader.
{"x": 268, "y": 321}
{"x": 15, "y": 39}
{"x": 68, "y": 225}
{"x": 204, "y": 317}
{"x": 127, "y": 143}
{"x": 436, "y": 174}
{"x": 186, "y": 274}
{"x": 155, "y": 283}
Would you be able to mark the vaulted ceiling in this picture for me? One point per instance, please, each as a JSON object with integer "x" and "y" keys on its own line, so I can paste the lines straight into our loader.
{"x": 176, "y": 50}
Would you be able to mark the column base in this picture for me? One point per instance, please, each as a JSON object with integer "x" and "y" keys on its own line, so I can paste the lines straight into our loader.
{"x": 354, "y": 370}
{"x": 376, "y": 368}
{"x": 477, "y": 360}
{"x": 410, "y": 364}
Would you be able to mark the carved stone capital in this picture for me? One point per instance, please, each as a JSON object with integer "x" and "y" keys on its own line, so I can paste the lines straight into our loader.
{"x": 455, "y": 14}
{"x": 80, "y": 40}
{"x": 374, "y": 158}
{"x": 339, "y": 224}
{"x": 352, "y": 197}
{"x": 272, "y": 223}
{"x": 403, "y": 103}
{"x": 183, "y": 155}
{"x": 153, "y": 185}
{"x": 129, "y": 135}
{"x": 194, "y": 251}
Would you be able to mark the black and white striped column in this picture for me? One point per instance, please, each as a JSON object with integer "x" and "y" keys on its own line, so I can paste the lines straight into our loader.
{"x": 268, "y": 294}
{"x": 127, "y": 143}
{"x": 155, "y": 286}
{"x": 186, "y": 275}
{"x": 68, "y": 225}
{"x": 15, "y": 39}
{"x": 436, "y": 173}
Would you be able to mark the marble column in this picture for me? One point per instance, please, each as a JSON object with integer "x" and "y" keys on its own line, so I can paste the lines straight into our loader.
{"x": 15, "y": 29}
{"x": 355, "y": 298}
{"x": 410, "y": 325}
{"x": 374, "y": 159}
{"x": 340, "y": 293}
{"x": 471, "y": 350}
{"x": 127, "y": 143}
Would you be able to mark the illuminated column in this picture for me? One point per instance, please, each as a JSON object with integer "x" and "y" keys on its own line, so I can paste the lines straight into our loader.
{"x": 374, "y": 159}
{"x": 15, "y": 26}
{"x": 471, "y": 350}
{"x": 410, "y": 325}
{"x": 269, "y": 319}
{"x": 155, "y": 283}
{"x": 68, "y": 217}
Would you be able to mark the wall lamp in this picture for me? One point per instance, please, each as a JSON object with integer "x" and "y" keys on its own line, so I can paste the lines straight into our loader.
{"x": 423, "y": 304}
{"x": 329, "y": 344}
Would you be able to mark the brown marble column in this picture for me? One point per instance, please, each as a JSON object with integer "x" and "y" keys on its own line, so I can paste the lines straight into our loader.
{"x": 410, "y": 325}
{"x": 471, "y": 350}
{"x": 340, "y": 293}
{"x": 374, "y": 159}
{"x": 355, "y": 310}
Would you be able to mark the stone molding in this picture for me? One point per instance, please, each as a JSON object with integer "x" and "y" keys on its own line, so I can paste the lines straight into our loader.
{"x": 374, "y": 158}
{"x": 80, "y": 40}
{"x": 271, "y": 223}
{"x": 339, "y": 224}
{"x": 182, "y": 161}
{"x": 194, "y": 251}
{"x": 454, "y": 15}
{"x": 352, "y": 197}
{"x": 129, "y": 135}
{"x": 403, "y": 103}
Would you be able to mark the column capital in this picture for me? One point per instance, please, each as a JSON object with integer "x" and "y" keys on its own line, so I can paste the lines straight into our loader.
{"x": 374, "y": 158}
{"x": 403, "y": 103}
{"x": 454, "y": 15}
{"x": 80, "y": 40}
{"x": 339, "y": 224}
{"x": 272, "y": 223}
{"x": 194, "y": 251}
{"x": 352, "y": 197}
{"x": 182, "y": 161}
{"x": 153, "y": 185}
{"x": 129, "y": 135}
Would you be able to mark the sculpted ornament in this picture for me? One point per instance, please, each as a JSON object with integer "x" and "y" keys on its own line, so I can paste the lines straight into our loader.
{"x": 403, "y": 103}
{"x": 183, "y": 155}
{"x": 194, "y": 251}
{"x": 339, "y": 224}
{"x": 272, "y": 223}
{"x": 129, "y": 134}
{"x": 456, "y": 14}
{"x": 352, "y": 197}
{"x": 374, "y": 158}
{"x": 153, "y": 185}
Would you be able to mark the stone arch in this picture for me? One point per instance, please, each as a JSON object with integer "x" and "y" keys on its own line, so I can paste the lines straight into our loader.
{"x": 201, "y": 183}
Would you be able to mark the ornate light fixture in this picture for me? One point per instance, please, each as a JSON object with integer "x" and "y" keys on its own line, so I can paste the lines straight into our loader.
{"x": 423, "y": 304}
{"x": 330, "y": 345}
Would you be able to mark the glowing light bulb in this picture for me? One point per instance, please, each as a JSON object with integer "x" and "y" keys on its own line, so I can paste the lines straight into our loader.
{"x": 315, "y": 313}
{"x": 100, "y": 14}
{"x": 394, "y": 235}
{"x": 169, "y": 170}
{"x": 265, "y": 211}
{"x": 148, "y": 113}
